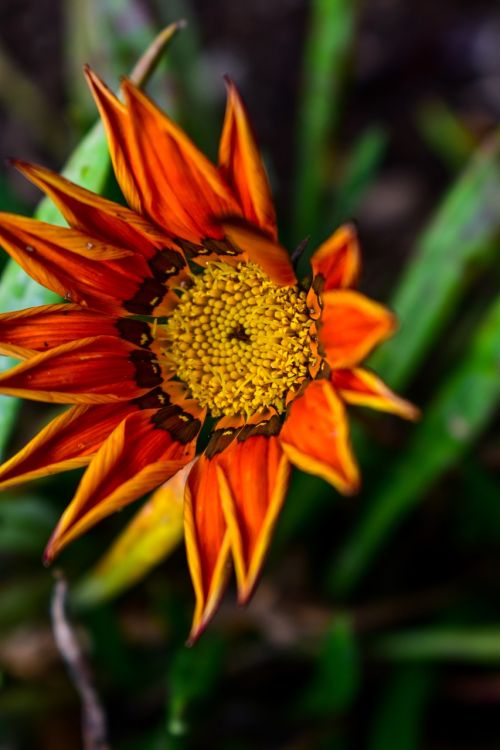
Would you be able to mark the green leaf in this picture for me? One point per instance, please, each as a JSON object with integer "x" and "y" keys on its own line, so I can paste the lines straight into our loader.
{"x": 398, "y": 721}
{"x": 192, "y": 678}
{"x": 479, "y": 645}
{"x": 461, "y": 409}
{"x": 445, "y": 134}
{"x": 328, "y": 45}
{"x": 152, "y": 534}
{"x": 459, "y": 237}
{"x": 363, "y": 164}
{"x": 25, "y": 524}
{"x": 336, "y": 678}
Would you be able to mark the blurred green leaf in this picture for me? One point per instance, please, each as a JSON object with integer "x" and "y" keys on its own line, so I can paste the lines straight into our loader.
{"x": 192, "y": 678}
{"x": 398, "y": 720}
{"x": 479, "y": 644}
{"x": 363, "y": 163}
{"x": 154, "y": 531}
{"x": 459, "y": 236}
{"x": 25, "y": 524}
{"x": 445, "y": 134}
{"x": 23, "y": 599}
{"x": 336, "y": 678}
{"x": 327, "y": 48}
{"x": 462, "y": 407}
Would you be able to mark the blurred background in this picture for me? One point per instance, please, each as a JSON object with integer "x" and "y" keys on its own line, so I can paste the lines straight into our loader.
{"x": 377, "y": 621}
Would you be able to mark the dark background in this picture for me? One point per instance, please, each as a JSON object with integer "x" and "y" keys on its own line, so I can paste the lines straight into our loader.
{"x": 248, "y": 683}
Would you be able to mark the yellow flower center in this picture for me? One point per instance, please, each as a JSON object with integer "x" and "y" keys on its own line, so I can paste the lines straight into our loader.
{"x": 239, "y": 341}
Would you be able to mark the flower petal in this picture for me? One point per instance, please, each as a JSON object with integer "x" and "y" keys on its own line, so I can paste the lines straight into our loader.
{"x": 337, "y": 261}
{"x": 364, "y": 388}
{"x": 83, "y": 270}
{"x": 152, "y": 534}
{"x": 41, "y": 328}
{"x": 187, "y": 186}
{"x": 207, "y": 541}
{"x": 351, "y": 326}
{"x": 92, "y": 214}
{"x": 315, "y": 437}
{"x": 136, "y": 457}
{"x": 67, "y": 442}
{"x": 241, "y": 166}
{"x": 253, "y": 478}
{"x": 259, "y": 248}
{"x": 87, "y": 371}
{"x": 118, "y": 129}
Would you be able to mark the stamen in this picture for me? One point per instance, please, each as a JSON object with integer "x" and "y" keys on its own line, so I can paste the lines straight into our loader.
{"x": 238, "y": 341}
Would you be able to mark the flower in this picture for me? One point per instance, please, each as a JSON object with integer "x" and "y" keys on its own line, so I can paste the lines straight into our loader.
{"x": 180, "y": 308}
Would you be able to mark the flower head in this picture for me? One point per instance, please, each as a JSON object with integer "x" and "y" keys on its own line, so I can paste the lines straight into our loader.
{"x": 180, "y": 308}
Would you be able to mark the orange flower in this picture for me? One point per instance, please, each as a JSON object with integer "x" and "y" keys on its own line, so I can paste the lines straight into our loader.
{"x": 180, "y": 308}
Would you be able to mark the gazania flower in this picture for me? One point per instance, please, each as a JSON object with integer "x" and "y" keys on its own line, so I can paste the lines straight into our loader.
{"x": 181, "y": 308}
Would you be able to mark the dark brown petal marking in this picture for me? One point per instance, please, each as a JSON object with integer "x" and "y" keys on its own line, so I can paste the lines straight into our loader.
{"x": 147, "y": 297}
{"x": 155, "y": 399}
{"x": 147, "y": 369}
{"x": 180, "y": 424}
{"x": 135, "y": 331}
{"x": 220, "y": 439}
{"x": 221, "y": 247}
{"x": 166, "y": 263}
{"x": 266, "y": 427}
{"x": 208, "y": 247}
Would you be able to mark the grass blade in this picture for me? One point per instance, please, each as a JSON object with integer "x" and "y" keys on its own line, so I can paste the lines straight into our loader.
{"x": 461, "y": 409}
{"x": 327, "y": 49}
{"x": 458, "y": 238}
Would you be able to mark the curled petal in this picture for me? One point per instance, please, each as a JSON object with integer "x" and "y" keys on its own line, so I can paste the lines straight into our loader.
{"x": 364, "y": 388}
{"x": 87, "y": 371}
{"x": 152, "y": 534}
{"x": 315, "y": 437}
{"x": 136, "y": 457}
{"x": 241, "y": 165}
{"x": 207, "y": 541}
{"x": 268, "y": 254}
{"x": 67, "y": 442}
{"x": 351, "y": 326}
{"x": 253, "y": 478}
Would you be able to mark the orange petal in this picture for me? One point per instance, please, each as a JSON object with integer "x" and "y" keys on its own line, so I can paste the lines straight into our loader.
{"x": 87, "y": 371}
{"x": 364, "y": 388}
{"x": 41, "y": 328}
{"x": 315, "y": 437}
{"x": 92, "y": 214}
{"x": 269, "y": 255}
{"x": 118, "y": 129}
{"x": 253, "y": 479}
{"x": 242, "y": 167}
{"x": 207, "y": 542}
{"x": 187, "y": 186}
{"x": 152, "y": 534}
{"x": 82, "y": 269}
{"x": 337, "y": 261}
{"x": 136, "y": 457}
{"x": 68, "y": 442}
{"x": 351, "y": 326}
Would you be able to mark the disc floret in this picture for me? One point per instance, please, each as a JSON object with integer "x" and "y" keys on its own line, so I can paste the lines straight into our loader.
{"x": 239, "y": 341}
